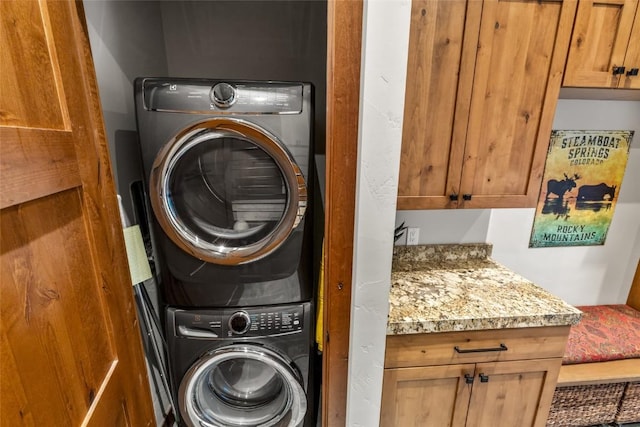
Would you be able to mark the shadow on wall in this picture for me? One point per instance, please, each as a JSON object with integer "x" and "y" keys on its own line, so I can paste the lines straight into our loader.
{"x": 252, "y": 40}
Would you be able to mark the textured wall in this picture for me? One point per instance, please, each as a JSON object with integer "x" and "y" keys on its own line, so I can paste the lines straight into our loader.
{"x": 381, "y": 108}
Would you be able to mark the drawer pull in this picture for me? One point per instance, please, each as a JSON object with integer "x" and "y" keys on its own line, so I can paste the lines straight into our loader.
{"x": 468, "y": 378}
{"x": 618, "y": 70}
{"x": 480, "y": 350}
{"x": 484, "y": 378}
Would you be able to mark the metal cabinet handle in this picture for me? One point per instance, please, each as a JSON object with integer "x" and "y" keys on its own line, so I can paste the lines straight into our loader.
{"x": 632, "y": 72}
{"x": 468, "y": 378}
{"x": 618, "y": 70}
{"x": 453, "y": 197}
{"x": 466, "y": 196}
{"x": 484, "y": 378}
{"x": 480, "y": 350}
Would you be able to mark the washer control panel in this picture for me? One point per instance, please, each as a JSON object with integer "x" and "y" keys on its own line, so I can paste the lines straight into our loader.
{"x": 222, "y": 97}
{"x": 247, "y": 322}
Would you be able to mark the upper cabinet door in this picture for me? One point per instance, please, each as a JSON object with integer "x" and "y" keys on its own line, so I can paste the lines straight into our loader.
{"x": 520, "y": 58}
{"x": 442, "y": 44}
{"x": 71, "y": 348}
{"x": 483, "y": 81}
{"x": 631, "y": 77}
{"x": 606, "y": 37}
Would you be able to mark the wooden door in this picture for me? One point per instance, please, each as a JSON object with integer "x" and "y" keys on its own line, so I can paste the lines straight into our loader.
{"x": 521, "y": 54}
{"x": 601, "y": 35}
{"x": 513, "y": 393}
{"x": 442, "y": 44}
{"x": 425, "y": 396}
{"x": 71, "y": 349}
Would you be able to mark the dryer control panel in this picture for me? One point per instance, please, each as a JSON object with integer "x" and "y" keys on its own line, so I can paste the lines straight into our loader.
{"x": 245, "y": 322}
{"x": 222, "y": 97}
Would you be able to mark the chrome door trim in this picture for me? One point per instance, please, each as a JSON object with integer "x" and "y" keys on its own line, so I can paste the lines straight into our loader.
{"x": 190, "y": 242}
{"x": 298, "y": 407}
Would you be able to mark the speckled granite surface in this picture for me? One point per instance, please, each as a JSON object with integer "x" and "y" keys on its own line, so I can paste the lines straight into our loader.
{"x": 443, "y": 288}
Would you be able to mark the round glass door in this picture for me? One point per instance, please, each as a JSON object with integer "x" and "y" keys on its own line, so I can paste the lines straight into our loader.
{"x": 240, "y": 386}
{"x": 227, "y": 192}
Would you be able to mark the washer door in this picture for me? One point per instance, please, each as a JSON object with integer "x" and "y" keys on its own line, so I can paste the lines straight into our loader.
{"x": 227, "y": 191}
{"x": 242, "y": 385}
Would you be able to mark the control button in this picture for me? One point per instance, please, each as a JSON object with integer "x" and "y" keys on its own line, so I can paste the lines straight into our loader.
{"x": 223, "y": 95}
{"x": 239, "y": 322}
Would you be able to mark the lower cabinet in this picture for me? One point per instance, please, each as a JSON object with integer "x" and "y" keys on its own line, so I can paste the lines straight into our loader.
{"x": 501, "y": 382}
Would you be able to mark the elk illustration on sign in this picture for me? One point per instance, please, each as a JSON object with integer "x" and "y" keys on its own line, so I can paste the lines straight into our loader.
{"x": 560, "y": 187}
{"x": 592, "y": 193}
{"x": 577, "y": 210}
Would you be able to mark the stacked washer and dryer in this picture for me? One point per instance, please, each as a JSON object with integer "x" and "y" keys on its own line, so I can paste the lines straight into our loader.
{"x": 227, "y": 167}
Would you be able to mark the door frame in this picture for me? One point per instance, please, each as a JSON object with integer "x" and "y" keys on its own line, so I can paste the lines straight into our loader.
{"x": 344, "y": 42}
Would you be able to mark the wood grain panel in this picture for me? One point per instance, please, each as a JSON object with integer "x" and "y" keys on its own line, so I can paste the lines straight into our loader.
{"x": 24, "y": 27}
{"x": 521, "y": 55}
{"x": 52, "y": 323}
{"x": 35, "y": 163}
{"x": 516, "y": 394}
{"x": 344, "y": 38}
{"x": 615, "y": 371}
{"x": 632, "y": 58}
{"x": 438, "y": 348}
{"x": 442, "y": 42}
{"x": 112, "y": 410}
{"x": 435, "y": 43}
{"x": 425, "y": 396}
{"x": 600, "y": 37}
{"x": 69, "y": 330}
{"x": 512, "y": 71}
{"x": 633, "y": 299}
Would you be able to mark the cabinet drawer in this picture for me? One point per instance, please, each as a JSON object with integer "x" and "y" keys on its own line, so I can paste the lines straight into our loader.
{"x": 475, "y": 346}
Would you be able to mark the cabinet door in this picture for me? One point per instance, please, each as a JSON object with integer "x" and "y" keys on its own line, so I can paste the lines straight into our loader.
{"x": 442, "y": 47}
{"x": 520, "y": 57}
{"x": 632, "y": 58}
{"x": 601, "y": 35}
{"x": 513, "y": 393}
{"x": 425, "y": 396}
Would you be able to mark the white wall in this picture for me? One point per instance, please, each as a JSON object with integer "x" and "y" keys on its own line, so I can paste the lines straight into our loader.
{"x": 381, "y": 107}
{"x": 589, "y": 274}
{"x": 446, "y": 226}
{"x": 126, "y": 42}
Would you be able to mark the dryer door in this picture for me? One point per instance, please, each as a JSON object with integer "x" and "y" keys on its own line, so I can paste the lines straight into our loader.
{"x": 227, "y": 191}
{"x": 242, "y": 385}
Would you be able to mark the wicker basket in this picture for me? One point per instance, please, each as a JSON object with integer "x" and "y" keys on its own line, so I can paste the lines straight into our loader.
{"x": 629, "y": 411}
{"x": 585, "y": 405}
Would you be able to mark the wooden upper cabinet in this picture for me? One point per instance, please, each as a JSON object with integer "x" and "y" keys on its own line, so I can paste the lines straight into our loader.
{"x": 606, "y": 35}
{"x": 434, "y": 128}
{"x": 481, "y": 95}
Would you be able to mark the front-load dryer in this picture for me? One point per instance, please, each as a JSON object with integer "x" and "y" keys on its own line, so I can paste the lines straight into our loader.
{"x": 227, "y": 167}
{"x": 241, "y": 367}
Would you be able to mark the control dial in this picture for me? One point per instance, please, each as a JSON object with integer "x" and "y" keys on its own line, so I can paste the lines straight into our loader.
{"x": 223, "y": 95}
{"x": 239, "y": 322}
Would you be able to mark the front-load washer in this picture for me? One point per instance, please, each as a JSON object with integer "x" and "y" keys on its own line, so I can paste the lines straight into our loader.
{"x": 227, "y": 167}
{"x": 241, "y": 367}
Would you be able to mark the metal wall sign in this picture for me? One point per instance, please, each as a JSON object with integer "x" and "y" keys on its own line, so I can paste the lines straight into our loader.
{"x": 580, "y": 187}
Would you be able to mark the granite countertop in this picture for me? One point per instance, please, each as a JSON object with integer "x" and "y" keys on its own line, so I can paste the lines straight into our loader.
{"x": 443, "y": 288}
